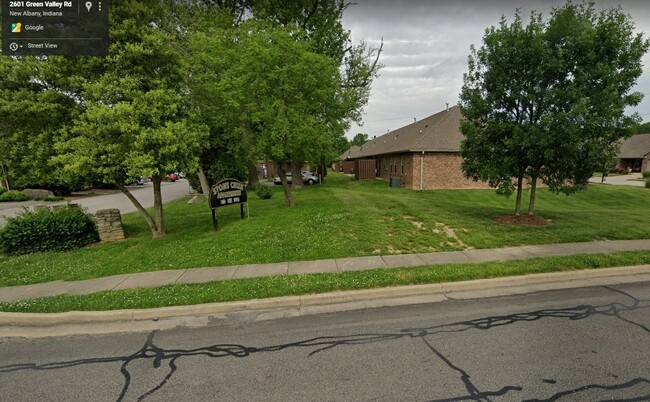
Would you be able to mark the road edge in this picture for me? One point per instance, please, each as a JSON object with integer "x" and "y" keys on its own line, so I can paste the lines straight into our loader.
{"x": 38, "y": 325}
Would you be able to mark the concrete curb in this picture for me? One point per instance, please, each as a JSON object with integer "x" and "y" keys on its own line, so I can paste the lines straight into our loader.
{"x": 207, "y": 274}
{"x": 34, "y": 325}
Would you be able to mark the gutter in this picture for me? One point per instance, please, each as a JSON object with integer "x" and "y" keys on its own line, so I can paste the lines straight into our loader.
{"x": 421, "y": 171}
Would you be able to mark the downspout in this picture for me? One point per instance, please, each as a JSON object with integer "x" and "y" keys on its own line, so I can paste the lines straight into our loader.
{"x": 421, "y": 171}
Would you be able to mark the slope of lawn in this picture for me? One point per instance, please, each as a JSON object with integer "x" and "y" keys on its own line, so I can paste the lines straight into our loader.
{"x": 341, "y": 218}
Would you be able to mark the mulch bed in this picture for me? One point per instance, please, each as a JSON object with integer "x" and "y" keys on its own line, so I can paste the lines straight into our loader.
{"x": 513, "y": 220}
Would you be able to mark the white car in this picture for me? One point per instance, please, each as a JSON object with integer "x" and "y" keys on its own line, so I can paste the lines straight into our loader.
{"x": 307, "y": 178}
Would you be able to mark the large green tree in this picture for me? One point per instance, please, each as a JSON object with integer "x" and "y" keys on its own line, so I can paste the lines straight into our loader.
{"x": 34, "y": 107}
{"x": 283, "y": 94}
{"x": 545, "y": 101}
{"x": 137, "y": 119}
{"x": 232, "y": 86}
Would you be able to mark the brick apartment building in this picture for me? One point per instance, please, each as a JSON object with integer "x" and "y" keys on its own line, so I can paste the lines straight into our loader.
{"x": 424, "y": 155}
{"x": 634, "y": 154}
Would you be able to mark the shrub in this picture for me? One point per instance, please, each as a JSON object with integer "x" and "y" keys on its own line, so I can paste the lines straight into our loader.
{"x": 13, "y": 195}
{"x": 53, "y": 198}
{"x": 646, "y": 174}
{"x": 262, "y": 191}
{"x": 2, "y": 190}
{"x": 647, "y": 183}
{"x": 60, "y": 229}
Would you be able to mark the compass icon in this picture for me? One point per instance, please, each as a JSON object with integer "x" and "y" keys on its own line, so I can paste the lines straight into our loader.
{"x": 13, "y": 46}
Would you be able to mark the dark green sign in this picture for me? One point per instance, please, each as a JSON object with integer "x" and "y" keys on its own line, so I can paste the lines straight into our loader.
{"x": 227, "y": 192}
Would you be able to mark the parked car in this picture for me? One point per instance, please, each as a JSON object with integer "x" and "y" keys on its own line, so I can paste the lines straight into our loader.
{"x": 135, "y": 181}
{"x": 307, "y": 178}
{"x": 171, "y": 177}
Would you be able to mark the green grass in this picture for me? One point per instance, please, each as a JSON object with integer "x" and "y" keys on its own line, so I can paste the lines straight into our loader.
{"x": 341, "y": 218}
{"x": 256, "y": 288}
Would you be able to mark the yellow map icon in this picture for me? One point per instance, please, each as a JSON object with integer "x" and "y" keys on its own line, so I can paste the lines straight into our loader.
{"x": 16, "y": 27}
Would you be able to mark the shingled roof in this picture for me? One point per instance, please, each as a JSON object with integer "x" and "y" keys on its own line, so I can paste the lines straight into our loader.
{"x": 437, "y": 133}
{"x": 635, "y": 147}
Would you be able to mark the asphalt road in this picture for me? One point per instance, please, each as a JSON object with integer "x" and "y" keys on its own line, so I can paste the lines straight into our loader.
{"x": 144, "y": 194}
{"x": 585, "y": 344}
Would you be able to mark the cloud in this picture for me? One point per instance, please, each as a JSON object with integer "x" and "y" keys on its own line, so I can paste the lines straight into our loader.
{"x": 426, "y": 44}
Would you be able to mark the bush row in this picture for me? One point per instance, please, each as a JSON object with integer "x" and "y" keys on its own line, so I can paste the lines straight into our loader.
{"x": 59, "y": 229}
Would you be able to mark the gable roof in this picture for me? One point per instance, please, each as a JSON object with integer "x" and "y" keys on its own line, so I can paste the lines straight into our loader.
{"x": 635, "y": 147}
{"x": 437, "y": 133}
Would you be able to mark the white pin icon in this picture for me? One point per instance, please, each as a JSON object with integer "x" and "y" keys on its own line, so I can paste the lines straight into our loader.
{"x": 89, "y": 5}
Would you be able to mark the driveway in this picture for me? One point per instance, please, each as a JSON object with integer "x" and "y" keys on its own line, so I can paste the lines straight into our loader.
{"x": 144, "y": 194}
{"x": 632, "y": 179}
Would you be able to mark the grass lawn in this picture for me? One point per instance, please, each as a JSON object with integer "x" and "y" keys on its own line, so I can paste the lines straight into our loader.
{"x": 341, "y": 218}
{"x": 275, "y": 286}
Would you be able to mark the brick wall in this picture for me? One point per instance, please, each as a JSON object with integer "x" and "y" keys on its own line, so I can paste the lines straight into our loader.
{"x": 440, "y": 171}
{"x": 398, "y": 165}
{"x": 443, "y": 170}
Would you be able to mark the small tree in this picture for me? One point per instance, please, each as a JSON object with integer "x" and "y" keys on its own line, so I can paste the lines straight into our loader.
{"x": 359, "y": 139}
{"x": 545, "y": 101}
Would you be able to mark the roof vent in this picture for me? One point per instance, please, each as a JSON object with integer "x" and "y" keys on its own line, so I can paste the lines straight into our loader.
{"x": 447, "y": 106}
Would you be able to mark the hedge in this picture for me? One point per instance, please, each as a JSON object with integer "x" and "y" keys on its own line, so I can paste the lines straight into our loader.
{"x": 59, "y": 229}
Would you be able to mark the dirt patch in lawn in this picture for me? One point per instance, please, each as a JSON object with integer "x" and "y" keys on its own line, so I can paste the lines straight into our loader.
{"x": 441, "y": 228}
{"x": 514, "y": 220}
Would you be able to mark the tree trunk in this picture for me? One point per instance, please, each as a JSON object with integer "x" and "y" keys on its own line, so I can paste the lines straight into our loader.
{"x": 520, "y": 181}
{"x": 5, "y": 179}
{"x": 296, "y": 175}
{"x": 158, "y": 206}
{"x": 205, "y": 184}
{"x": 533, "y": 193}
{"x": 322, "y": 172}
{"x": 288, "y": 197}
{"x": 141, "y": 209}
{"x": 253, "y": 179}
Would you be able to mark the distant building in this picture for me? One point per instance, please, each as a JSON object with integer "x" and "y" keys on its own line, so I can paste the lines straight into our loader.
{"x": 634, "y": 154}
{"x": 423, "y": 155}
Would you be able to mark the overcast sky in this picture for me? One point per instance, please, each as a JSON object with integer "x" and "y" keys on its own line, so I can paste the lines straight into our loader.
{"x": 426, "y": 44}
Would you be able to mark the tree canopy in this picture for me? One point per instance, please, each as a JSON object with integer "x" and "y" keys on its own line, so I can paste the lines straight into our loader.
{"x": 209, "y": 86}
{"x": 359, "y": 139}
{"x": 545, "y": 101}
{"x": 280, "y": 84}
